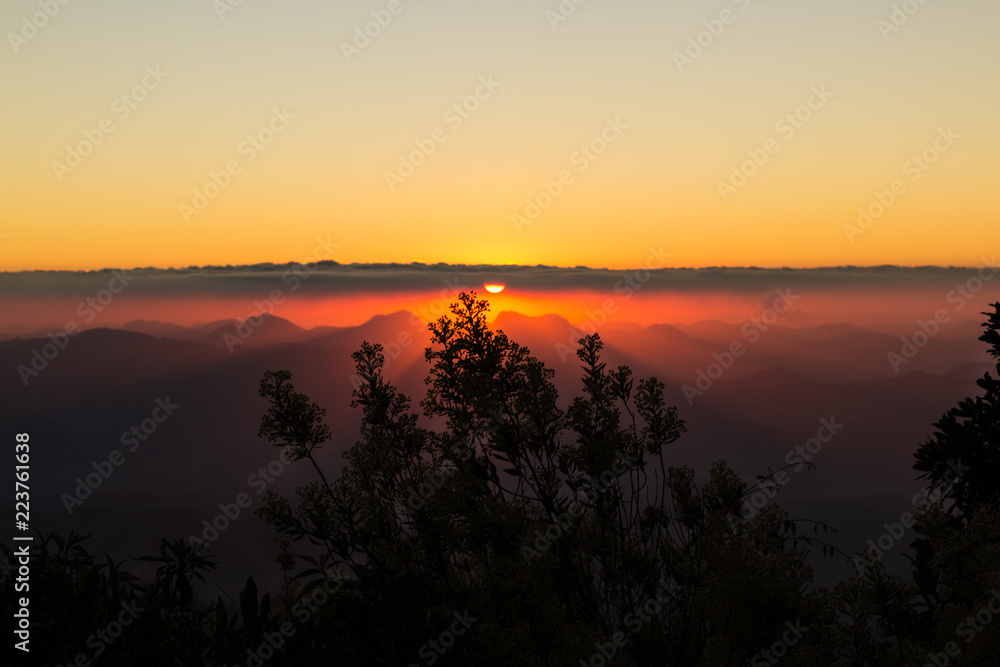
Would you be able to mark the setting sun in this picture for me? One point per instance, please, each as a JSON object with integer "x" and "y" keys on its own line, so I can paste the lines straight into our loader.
{"x": 746, "y": 260}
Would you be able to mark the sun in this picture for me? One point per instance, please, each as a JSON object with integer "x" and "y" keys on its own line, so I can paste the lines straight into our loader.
{"x": 494, "y": 288}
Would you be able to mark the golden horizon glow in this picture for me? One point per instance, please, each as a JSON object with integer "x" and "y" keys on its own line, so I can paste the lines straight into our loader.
{"x": 494, "y": 288}
{"x": 181, "y": 142}
{"x": 821, "y": 304}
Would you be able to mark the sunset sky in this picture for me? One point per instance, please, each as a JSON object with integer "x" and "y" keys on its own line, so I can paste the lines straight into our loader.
{"x": 667, "y": 120}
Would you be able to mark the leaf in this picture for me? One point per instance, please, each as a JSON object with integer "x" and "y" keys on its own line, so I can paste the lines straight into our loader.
{"x": 221, "y": 615}
{"x": 248, "y": 607}
{"x": 265, "y": 607}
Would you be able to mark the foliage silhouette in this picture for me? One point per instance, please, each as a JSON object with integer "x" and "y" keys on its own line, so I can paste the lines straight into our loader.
{"x": 962, "y": 458}
{"x": 504, "y": 529}
{"x": 559, "y": 530}
{"x": 957, "y": 556}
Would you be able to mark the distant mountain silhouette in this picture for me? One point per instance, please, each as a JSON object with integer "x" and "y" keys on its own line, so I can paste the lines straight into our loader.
{"x": 770, "y": 401}
{"x": 167, "y": 330}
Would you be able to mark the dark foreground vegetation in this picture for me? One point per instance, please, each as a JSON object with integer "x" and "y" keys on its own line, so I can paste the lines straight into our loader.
{"x": 513, "y": 532}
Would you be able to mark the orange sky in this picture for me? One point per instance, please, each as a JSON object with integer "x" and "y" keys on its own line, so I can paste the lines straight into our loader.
{"x": 884, "y": 308}
{"x": 169, "y": 135}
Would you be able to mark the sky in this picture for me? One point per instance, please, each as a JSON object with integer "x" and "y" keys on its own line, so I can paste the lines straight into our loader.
{"x": 728, "y": 133}
{"x": 888, "y": 299}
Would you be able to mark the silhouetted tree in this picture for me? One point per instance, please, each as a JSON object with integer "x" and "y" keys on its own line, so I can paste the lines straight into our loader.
{"x": 962, "y": 458}
{"x": 957, "y": 556}
{"x": 507, "y": 530}
{"x": 564, "y": 533}
{"x": 82, "y": 605}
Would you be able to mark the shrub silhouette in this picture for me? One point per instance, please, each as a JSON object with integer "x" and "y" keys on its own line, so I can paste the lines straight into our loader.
{"x": 957, "y": 557}
{"x": 506, "y": 530}
{"x": 962, "y": 458}
{"x": 564, "y": 533}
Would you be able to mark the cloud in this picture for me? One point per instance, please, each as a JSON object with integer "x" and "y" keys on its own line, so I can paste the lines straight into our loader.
{"x": 328, "y": 278}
